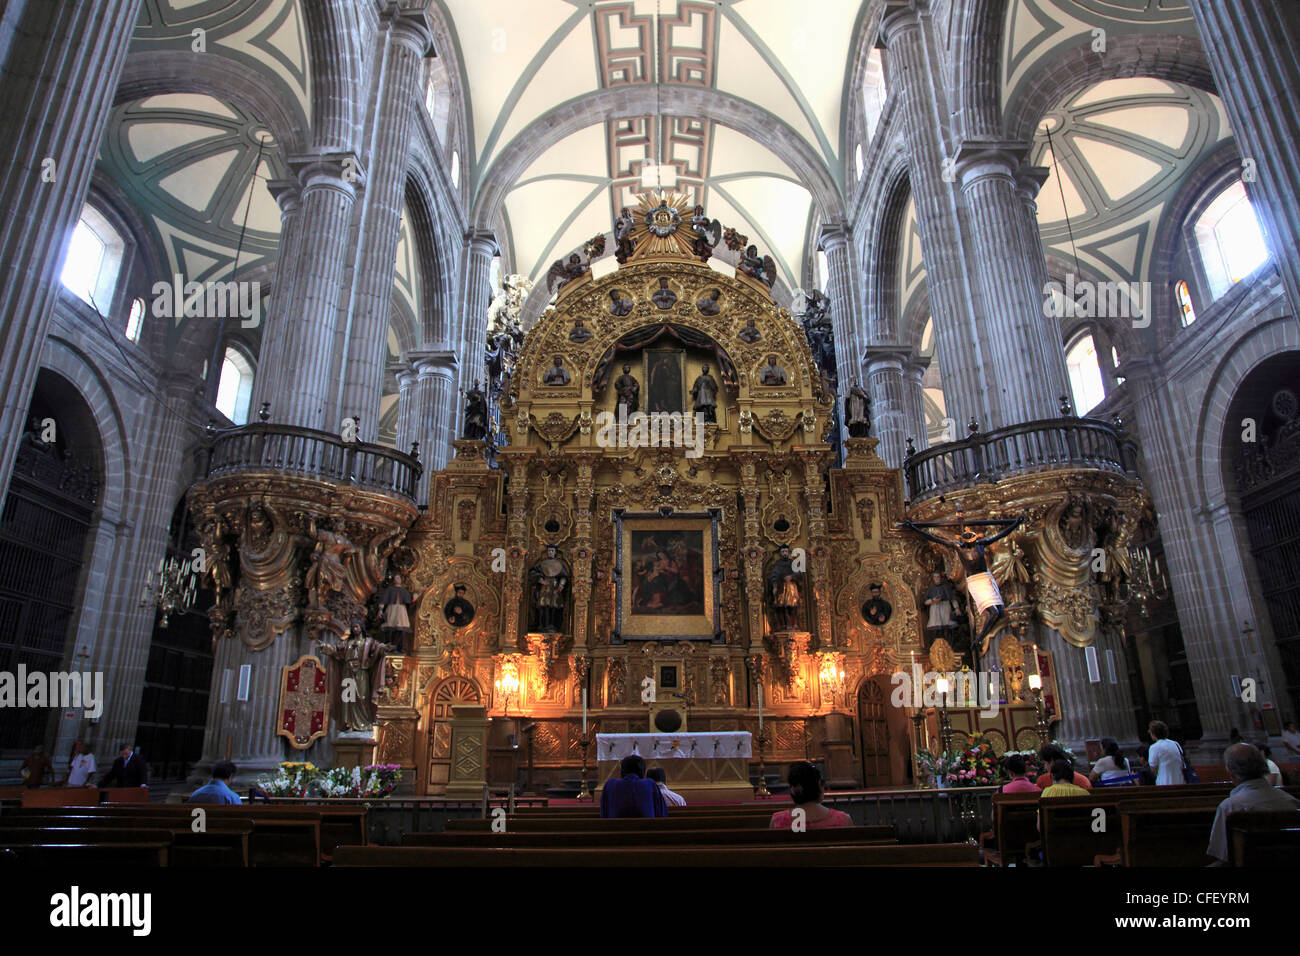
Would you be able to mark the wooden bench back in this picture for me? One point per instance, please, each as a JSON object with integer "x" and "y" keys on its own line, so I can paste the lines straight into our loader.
{"x": 1264, "y": 838}
{"x": 945, "y": 854}
{"x": 841, "y": 836}
{"x": 1155, "y": 835}
{"x": 529, "y": 825}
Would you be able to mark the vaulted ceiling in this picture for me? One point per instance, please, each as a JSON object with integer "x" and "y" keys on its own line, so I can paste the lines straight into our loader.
{"x": 522, "y": 60}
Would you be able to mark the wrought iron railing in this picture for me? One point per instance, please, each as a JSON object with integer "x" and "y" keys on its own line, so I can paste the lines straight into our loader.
{"x": 316, "y": 454}
{"x": 1045, "y": 445}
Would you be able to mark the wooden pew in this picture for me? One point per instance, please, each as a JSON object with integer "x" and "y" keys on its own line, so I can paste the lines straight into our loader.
{"x": 1264, "y": 838}
{"x": 79, "y": 856}
{"x": 1165, "y": 833}
{"x": 943, "y": 854}
{"x": 60, "y": 797}
{"x": 224, "y": 843}
{"x": 529, "y": 825}
{"x": 124, "y": 795}
{"x": 1015, "y": 825}
{"x": 292, "y": 839}
{"x": 840, "y": 836}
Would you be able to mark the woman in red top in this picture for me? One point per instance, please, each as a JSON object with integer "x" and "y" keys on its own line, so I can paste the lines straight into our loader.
{"x": 806, "y": 792}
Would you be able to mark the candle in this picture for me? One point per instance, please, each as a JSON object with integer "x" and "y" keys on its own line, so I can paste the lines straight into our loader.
{"x": 584, "y": 712}
{"x": 760, "y": 708}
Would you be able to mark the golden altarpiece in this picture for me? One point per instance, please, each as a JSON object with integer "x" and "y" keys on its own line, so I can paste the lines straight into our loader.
{"x": 628, "y": 510}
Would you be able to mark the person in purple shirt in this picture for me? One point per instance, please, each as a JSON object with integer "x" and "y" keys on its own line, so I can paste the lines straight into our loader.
{"x": 1019, "y": 782}
{"x": 632, "y": 795}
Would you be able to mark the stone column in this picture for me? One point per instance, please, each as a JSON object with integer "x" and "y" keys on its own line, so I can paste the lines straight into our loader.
{"x": 406, "y": 432}
{"x": 439, "y": 405}
{"x": 299, "y": 338}
{"x": 480, "y": 249}
{"x": 61, "y": 65}
{"x": 914, "y": 402}
{"x": 387, "y": 150}
{"x": 279, "y": 318}
{"x": 1026, "y": 386}
{"x": 916, "y": 77}
{"x": 1204, "y": 544}
{"x": 1029, "y": 182}
{"x": 1091, "y": 710}
{"x": 1252, "y": 52}
{"x": 889, "y": 419}
{"x": 123, "y": 631}
{"x": 846, "y": 316}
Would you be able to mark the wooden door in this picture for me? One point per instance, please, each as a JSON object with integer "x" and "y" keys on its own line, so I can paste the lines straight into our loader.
{"x": 453, "y": 690}
{"x": 873, "y": 733}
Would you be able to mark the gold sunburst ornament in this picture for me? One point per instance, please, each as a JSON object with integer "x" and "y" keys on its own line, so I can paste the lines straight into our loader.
{"x": 663, "y": 225}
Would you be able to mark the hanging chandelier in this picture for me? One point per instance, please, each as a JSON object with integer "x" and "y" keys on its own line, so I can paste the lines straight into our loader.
{"x": 171, "y": 588}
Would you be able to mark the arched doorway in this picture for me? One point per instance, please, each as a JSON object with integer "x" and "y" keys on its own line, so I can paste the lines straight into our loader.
{"x": 1261, "y": 456}
{"x": 873, "y": 734}
{"x": 451, "y": 691}
{"x": 46, "y": 533}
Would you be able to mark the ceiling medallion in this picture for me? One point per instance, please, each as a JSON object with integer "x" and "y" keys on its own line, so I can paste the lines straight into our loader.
{"x": 663, "y": 219}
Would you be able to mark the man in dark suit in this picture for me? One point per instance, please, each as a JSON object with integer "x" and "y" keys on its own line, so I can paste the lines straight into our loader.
{"x": 128, "y": 770}
{"x": 632, "y": 795}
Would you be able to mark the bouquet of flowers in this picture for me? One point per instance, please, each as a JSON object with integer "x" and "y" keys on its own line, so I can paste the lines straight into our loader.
{"x": 293, "y": 779}
{"x": 977, "y": 766}
{"x": 376, "y": 780}
{"x": 1034, "y": 765}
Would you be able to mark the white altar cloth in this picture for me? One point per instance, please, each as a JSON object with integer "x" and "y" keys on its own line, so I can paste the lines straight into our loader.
{"x": 697, "y": 746}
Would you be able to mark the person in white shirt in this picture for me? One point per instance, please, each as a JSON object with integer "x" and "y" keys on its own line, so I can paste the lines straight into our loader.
{"x": 1165, "y": 757}
{"x": 82, "y": 766}
{"x": 661, "y": 781}
{"x": 1274, "y": 775}
{"x": 1114, "y": 767}
{"x": 1291, "y": 738}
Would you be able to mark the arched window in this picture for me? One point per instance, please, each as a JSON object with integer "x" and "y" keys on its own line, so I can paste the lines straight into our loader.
{"x": 1085, "y": 374}
{"x": 1185, "y": 310}
{"x": 135, "y": 321}
{"x": 1230, "y": 240}
{"x": 235, "y": 389}
{"x": 857, "y": 158}
{"x": 939, "y": 427}
{"x": 455, "y": 170}
{"x": 94, "y": 258}
{"x": 873, "y": 91}
{"x": 823, "y": 270}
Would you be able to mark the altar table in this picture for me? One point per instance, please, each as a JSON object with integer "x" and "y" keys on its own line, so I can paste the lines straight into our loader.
{"x": 699, "y": 766}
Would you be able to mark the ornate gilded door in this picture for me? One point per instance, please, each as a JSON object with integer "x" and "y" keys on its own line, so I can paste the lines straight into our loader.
{"x": 874, "y": 735}
{"x": 454, "y": 690}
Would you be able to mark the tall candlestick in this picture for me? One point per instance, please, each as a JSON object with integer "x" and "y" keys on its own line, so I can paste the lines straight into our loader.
{"x": 584, "y": 712}
{"x": 760, "y": 708}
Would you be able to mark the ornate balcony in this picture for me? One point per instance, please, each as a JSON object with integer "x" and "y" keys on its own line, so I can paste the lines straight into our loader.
{"x": 986, "y": 458}
{"x": 313, "y": 454}
{"x": 298, "y": 527}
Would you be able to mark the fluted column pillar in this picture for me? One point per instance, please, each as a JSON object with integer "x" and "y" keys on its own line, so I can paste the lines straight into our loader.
{"x": 914, "y": 402}
{"x": 435, "y": 409}
{"x": 886, "y": 387}
{"x": 1029, "y": 182}
{"x": 1092, "y": 708}
{"x": 288, "y": 196}
{"x": 1026, "y": 385}
{"x": 299, "y": 339}
{"x": 1252, "y": 48}
{"x": 1204, "y": 545}
{"x": 846, "y": 316}
{"x": 409, "y": 39}
{"x": 61, "y": 67}
{"x": 916, "y": 77}
{"x": 479, "y": 252}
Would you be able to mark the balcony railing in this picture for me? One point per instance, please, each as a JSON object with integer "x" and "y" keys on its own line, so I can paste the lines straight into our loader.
{"x": 305, "y": 451}
{"x": 1046, "y": 445}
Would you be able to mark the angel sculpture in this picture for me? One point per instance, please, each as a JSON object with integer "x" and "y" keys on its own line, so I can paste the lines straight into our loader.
{"x": 971, "y": 549}
{"x": 764, "y": 269}
{"x": 624, "y": 226}
{"x": 594, "y": 247}
{"x": 707, "y": 234}
{"x": 562, "y": 273}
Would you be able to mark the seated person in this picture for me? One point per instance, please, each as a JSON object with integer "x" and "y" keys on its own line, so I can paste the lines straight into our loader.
{"x": 217, "y": 790}
{"x": 661, "y": 781}
{"x": 1019, "y": 771}
{"x": 1063, "y": 784}
{"x": 1274, "y": 776}
{"x": 1113, "y": 769}
{"x": 806, "y": 791}
{"x": 1249, "y": 771}
{"x": 632, "y": 795}
{"x": 1050, "y": 754}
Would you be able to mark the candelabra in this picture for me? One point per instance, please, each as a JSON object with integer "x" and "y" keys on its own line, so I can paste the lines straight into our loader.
{"x": 762, "y": 790}
{"x": 1040, "y": 712}
{"x": 945, "y": 726}
{"x": 173, "y": 590}
{"x": 584, "y": 742}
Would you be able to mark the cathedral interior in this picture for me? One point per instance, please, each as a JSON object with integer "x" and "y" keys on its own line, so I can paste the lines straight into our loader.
{"x": 638, "y": 366}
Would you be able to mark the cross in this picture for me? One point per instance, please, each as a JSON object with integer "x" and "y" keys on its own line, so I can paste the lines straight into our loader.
{"x": 304, "y": 701}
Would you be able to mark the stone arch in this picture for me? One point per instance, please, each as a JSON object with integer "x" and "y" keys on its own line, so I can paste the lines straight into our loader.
{"x": 732, "y": 112}
{"x": 1178, "y": 59}
{"x": 175, "y": 71}
{"x": 977, "y": 61}
{"x": 1273, "y": 334}
{"x": 334, "y": 58}
{"x": 883, "y": 243}
{"x": 433, "y": 325}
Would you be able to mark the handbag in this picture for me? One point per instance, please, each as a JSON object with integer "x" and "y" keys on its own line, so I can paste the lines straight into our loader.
{"x": 1189, "y": 773}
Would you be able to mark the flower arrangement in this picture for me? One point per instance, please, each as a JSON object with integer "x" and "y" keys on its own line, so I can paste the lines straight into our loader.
{"x": 306, "y": 780}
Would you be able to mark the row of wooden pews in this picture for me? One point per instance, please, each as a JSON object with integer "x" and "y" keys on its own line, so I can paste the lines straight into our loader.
{"x": 691, "y": 837}
{"x": 172, "y": 834}
{"x": 1119, "y": 826}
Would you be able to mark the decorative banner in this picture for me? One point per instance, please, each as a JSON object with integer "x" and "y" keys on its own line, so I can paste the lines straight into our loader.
{"x": 304, "y": 701}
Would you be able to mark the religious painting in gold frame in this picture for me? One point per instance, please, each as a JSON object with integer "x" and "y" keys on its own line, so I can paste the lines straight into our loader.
{"x": 665, "y": 574}
{"x": 664, "y": 374}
